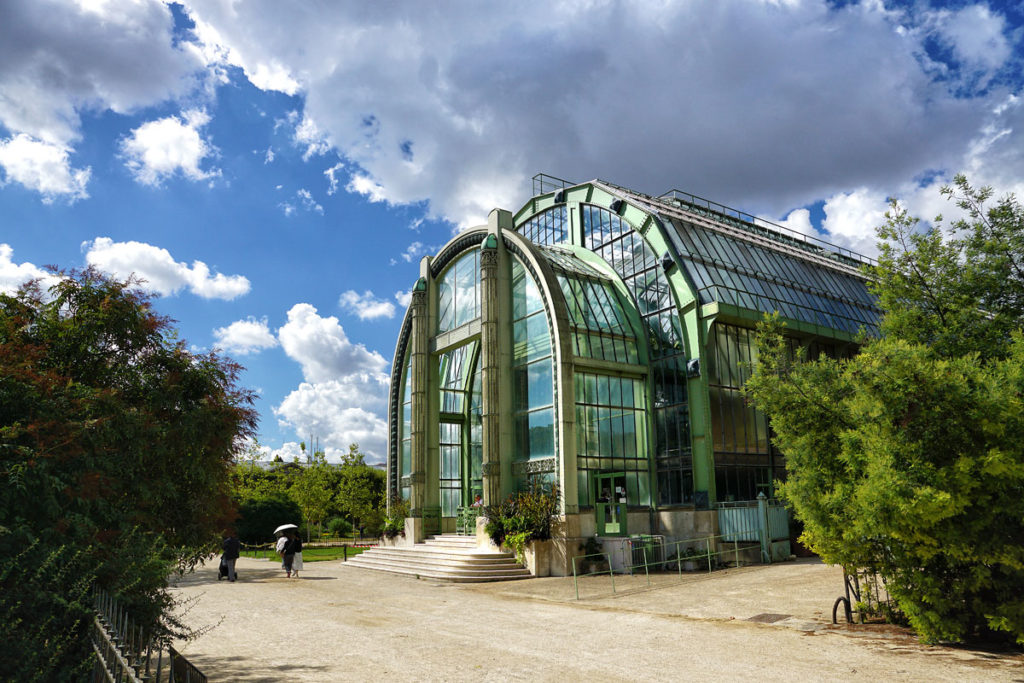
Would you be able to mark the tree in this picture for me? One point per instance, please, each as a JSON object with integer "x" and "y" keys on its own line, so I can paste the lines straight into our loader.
{"x": 361, "y": 491}
{"x": 909, "y": 458}
{"x": 115, "y": 447}
{"x": 314, "y": 490}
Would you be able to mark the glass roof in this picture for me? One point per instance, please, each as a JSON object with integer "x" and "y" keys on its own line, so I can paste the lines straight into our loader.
{"x": 601, "y": 327}
{"x": 727, "y": 269}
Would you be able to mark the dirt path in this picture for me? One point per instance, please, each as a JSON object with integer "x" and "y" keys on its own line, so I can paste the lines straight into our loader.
{"x": 339, "y": 623}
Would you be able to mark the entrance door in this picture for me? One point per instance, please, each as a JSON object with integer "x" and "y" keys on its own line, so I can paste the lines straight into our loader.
{"x": 610, "y": 505}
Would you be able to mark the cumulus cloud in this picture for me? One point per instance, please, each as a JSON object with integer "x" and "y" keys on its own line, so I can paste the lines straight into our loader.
{"x": 324, "y": 351}
{"x": 60, "y": 58}
{"x": 778, "y": 105}
{"x": 245, "y": 337}
{"x": 157, "y": 150}
{"x": 366, "y": 305}
{"x": 43, "y": 167}
{"x": 416, "y": 250}
{"x": 326, "y": 409}
{"x": 161, "y": 272}
{"x": 404, "y": 298}
{"x": 332, "y": 177}
{"x": 13, "y": 275}
{"x": 344, "y": 397}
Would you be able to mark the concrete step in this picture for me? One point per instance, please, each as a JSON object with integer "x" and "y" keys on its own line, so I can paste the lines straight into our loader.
{"x": 446, "y": 558}
{"x": 427, "y": 567}
{"x": 442, "y": 576}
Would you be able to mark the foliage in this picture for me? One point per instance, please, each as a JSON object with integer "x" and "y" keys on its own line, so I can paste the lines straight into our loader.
{"x": 259, "y": 515}
{"x": 394, "y": 522}
{"x": 523, "y": 517}
{"x": 115, "y": 443}
{"x": 360, "y": 493}
{"x": 39, "y": 620}
{"x": 314, "y": 490}
{"x": 909, "y": 458}
{"x": 339, "y": 526}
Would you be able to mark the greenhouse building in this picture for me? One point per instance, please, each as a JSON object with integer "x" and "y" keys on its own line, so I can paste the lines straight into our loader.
{"x": 598, "y": 339}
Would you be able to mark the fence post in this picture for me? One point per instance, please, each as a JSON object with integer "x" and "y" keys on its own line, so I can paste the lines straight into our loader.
{"x": 762, "y": 515}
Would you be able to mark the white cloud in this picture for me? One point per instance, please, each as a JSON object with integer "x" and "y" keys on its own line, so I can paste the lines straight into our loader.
{"x": 798, "y": 220}
{"x": 157, "y": 150}
{"x": 161, "y": 272}
{"x": 828, "y": 96}
{"x": 245, "y": 337}
{"x": 305, "y": 202}
{"x": 332, "y": 177}
{"x": 415, "y": 250}
{"x": 366, "y": 305}
{"x": 43, "y": 167}
{"x": 308, "y": 136}
{"x": 404, "y": 298}
{"x": 344, "y": 397}
{"x": 13, "y": 275}
{"x": 60, "y": 58}
{"x": 851, "y": 219}
{"x": 324, "y": 351}
{"x": 326, "y": 409}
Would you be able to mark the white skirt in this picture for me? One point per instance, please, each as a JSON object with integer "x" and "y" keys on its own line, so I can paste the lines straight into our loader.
{"x": 297, "y": 562}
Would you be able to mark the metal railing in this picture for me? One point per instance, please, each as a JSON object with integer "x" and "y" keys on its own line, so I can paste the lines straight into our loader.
{"x": 126, "y": 652}
{"x": 465, "y": 522}
{"x": 646, "y": 554}
{"x": 866, "y": 595}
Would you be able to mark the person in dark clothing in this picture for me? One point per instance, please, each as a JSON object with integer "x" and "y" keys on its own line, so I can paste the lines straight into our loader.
{"x": 293, "y": 550}
{"x": 232, "y": 548}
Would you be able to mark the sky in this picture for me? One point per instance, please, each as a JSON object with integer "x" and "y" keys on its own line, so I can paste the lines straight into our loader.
{"x": 274, "y": 170}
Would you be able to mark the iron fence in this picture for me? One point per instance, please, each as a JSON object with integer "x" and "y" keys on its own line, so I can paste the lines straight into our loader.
{"x": 647, "y": 554}
{"x": 126, "y": 652}
{"x": 866, "y": 595}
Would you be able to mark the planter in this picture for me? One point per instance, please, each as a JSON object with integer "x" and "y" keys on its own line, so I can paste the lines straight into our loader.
{"x": 537, "y": 556}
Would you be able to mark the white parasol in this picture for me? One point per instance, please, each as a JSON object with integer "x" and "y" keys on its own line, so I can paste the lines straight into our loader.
{"x": 284, "y": 527}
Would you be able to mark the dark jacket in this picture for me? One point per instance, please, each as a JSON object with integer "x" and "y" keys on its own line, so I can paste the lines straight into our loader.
{"x": 293, "y": 546}
{"x": 231, "y": 548}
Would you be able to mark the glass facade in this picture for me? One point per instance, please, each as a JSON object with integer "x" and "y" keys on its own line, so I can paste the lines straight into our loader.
{"x": 460, "y": 412}
{"x": 533, "y": 380}
{"x": 611, "y": 434}
{"x": 625, "y": 250}
{"x": 547, "y": 227}
{"x": 458, "y": 292}
{"x": 405, "y": 449}
{"x": 600, "y": 326}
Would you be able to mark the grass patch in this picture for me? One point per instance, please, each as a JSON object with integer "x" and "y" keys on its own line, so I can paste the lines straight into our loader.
{"x": 308, "y": 554}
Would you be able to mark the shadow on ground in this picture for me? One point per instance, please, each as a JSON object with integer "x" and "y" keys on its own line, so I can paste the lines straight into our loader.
{"x": 248, "y": 575}
{"x": 237, "y": 669}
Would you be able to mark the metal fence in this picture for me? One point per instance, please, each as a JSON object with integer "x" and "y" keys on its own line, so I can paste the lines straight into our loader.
{"x": 648, "y": 554}
{"x": 764, "y": 520}
{"x": 126, "y": 652}
{"x": 866, "y": 596}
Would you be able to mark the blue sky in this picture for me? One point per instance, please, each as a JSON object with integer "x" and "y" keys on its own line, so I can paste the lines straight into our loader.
{"x": 275, "y": 170}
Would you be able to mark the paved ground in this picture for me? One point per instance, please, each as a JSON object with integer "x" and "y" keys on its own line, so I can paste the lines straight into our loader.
{"x": 340, "y": 623}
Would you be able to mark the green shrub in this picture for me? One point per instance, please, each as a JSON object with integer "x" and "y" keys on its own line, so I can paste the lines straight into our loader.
{"x": 394, "y": 522}
{"x": 339, "y": 526}
{"x": 523, "y": 517}
{"x": 259, "y": 516}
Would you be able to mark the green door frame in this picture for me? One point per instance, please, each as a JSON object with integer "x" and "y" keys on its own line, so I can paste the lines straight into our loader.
{"x": 611, "y": 504}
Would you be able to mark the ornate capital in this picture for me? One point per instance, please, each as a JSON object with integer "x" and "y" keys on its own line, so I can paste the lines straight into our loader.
{"x": 488, "y": 257}
{"x": 414, "y": 478}
{"x": 491, "y": 469}
{"x": 419, "y": 298}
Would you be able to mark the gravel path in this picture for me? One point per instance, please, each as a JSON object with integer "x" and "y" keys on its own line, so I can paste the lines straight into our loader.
{"x": 340, "y": 623}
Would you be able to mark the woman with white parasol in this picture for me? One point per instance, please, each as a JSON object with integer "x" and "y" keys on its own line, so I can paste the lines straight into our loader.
{"x": 282, "y": 543}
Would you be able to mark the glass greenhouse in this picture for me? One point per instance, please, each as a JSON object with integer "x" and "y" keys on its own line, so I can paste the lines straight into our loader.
{"x": 599, "y": 339}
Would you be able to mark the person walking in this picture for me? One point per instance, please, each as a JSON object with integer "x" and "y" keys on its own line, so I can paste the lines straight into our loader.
{"x": 292, "y": 550}
{"x": 232, "y": 549}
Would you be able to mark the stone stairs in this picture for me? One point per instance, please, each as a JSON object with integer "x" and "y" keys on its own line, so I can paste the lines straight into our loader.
{"x": 447, "y": 557}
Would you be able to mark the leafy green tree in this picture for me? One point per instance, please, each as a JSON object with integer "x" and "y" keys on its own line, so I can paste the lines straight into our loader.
{"x": 909, "y": 458}
{"x": 360, "y": 492}
{"x": 314, "y": 490}
{"x": 115, "y": 447}
{"x": 260, "y": 514}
